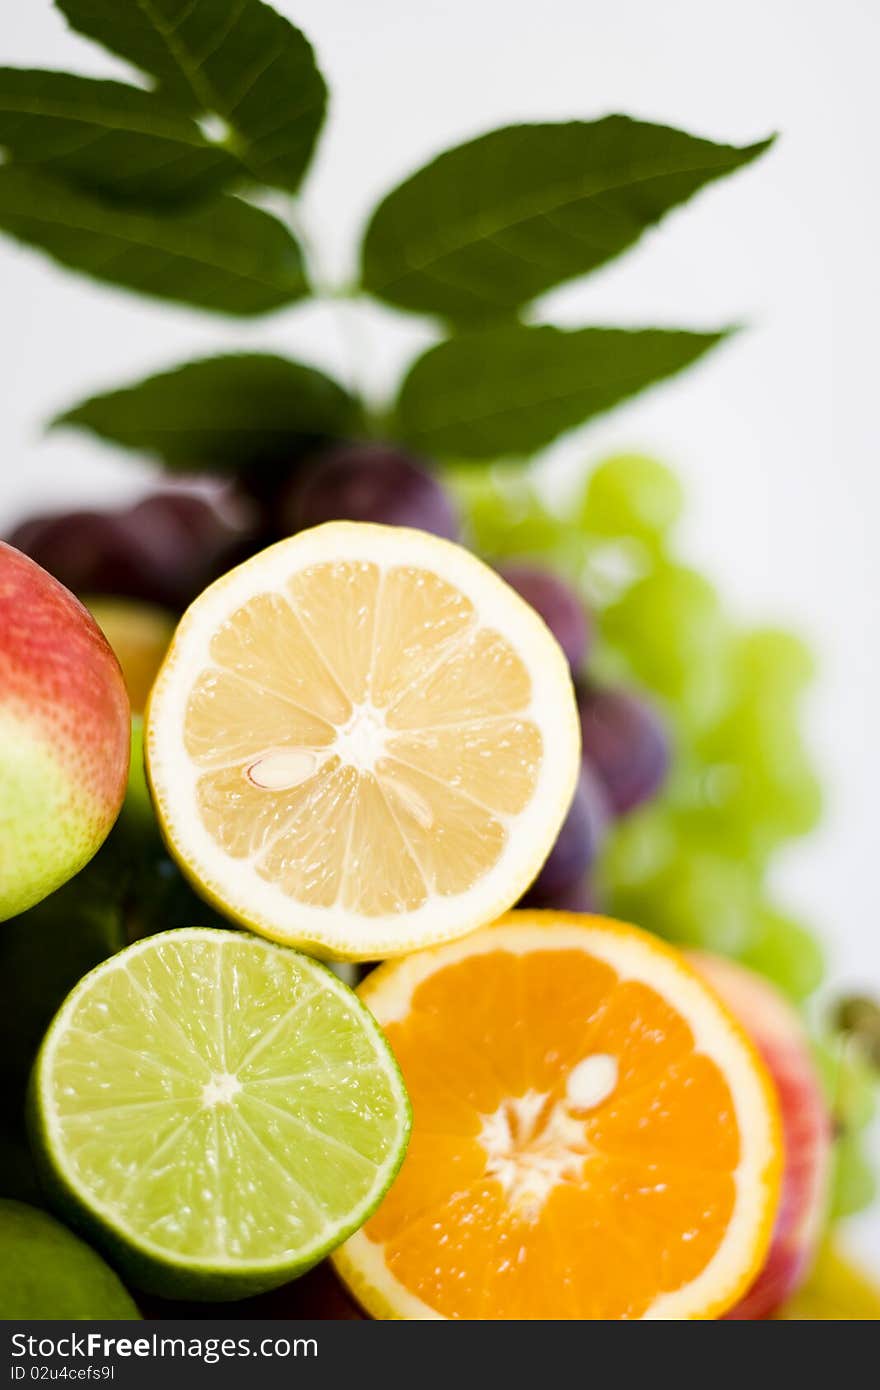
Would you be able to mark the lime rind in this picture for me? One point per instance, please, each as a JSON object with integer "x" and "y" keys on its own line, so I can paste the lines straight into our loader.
{"x": 46, "y": 1272}
{"x": 151, "y": 1263}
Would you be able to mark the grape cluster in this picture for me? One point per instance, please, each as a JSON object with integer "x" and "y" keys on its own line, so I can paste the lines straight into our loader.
{"x": 164, "y": 548}
{"x": 691, "y": 726}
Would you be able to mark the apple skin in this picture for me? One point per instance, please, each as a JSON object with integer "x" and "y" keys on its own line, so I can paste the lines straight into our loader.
{"x": 778, "y": 1034}
{"x": 64, "y": 734}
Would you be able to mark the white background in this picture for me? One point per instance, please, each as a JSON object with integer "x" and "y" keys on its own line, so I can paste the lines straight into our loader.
{"x": 776, "y": 435}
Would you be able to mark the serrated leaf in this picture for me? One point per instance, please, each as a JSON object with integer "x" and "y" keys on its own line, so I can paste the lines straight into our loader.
{"x": 231, "y": 414}
{"x": 109, "y": 139}
{"x": 226, "y": 256}
{"x": 490, "y": 225}
{"x": 238, "y": 59}
{"x": 511, "y": 390}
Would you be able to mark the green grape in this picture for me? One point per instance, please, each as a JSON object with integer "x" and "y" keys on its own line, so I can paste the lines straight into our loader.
{"x": 851, "y": 1088}
{"x": 758, "y": 775}
{"x": 787, "y": 954}
{"x": 770, "y": 662}
{"x": 637, "y": 850}
{"x": 609, "y": 664}
{"x": 631, "y": 495}
{"x": 858, "y": 1017}
{"x": 610, "y": 567}
{"x": 503, "y": 515}
{"x": 671, "y": 626}
{"x": 853, "y": 1183}
{"x": 704, "y": 802}
{"x": 850, "y": 1083}
{"x": 696, "y": 899}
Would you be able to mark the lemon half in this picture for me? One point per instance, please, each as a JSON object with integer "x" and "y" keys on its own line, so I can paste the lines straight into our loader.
{"x": 362, "y": 741}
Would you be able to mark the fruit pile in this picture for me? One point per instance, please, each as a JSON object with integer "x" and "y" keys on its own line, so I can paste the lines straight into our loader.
{"x": 392, "y": 710}
{"x": 361, "y": 743}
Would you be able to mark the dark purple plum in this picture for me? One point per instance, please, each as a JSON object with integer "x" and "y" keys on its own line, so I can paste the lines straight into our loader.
{"x": 367, "y": 482}
{"x": 577, "y": 844}
{"x": 163, "y": 549}
{"x": 626, "y": 744}
{"x": 557, "y": 604}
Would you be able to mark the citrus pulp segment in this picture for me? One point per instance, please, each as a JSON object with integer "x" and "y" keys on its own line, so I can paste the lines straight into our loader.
{"x": 217, "y": 1111}
{"x": 594, "y": 1137}
{"x": 362, "y": 741}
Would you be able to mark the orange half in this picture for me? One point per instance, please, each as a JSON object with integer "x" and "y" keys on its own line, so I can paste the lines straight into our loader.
{"x": 594, "y": 1136}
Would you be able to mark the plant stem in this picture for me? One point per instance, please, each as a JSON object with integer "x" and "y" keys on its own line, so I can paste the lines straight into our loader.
{"x": 343, "y": 300}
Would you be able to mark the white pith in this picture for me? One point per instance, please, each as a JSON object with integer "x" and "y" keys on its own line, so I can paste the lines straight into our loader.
{"x": 531, "y": 1145}
{"x": 221, "y": 1089}
{"x": 533, "y": 1141}
{"x": 636, "y": 957}
{"x": 334, "y": 931}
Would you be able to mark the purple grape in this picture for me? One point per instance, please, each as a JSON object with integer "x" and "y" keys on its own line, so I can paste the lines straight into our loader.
{"x": 577, "y": 843}
{"x": 579, "y": 896}
{"x": 625, "y": 743}
{"x": 557, "y": 604}
{"x": 163, "y": 549}
{"x": 368, "y": 482}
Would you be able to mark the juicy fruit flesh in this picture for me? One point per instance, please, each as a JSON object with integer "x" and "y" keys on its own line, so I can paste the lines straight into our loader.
{"x": 565, "y": 1123}
{"x": 363, "y": 718}
{"x": 216, "y": 1101}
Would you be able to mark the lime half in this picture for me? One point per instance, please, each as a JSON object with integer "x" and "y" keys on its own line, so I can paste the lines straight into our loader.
{"x": 217, "y": 1111}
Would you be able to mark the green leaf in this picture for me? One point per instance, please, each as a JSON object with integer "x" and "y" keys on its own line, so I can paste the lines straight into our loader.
{"x": 491, "y": 224}
{"x": 511, "y": 390}
{"x": 114, "y": 141}
{"x": 237, "y": 59}
{"x": 223, "y": 413}
{"x": 226, "y": 256}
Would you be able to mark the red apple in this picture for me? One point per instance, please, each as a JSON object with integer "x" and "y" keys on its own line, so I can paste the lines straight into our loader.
{"x": 64, "y": 734}
{"x": 777, "y": 1032}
